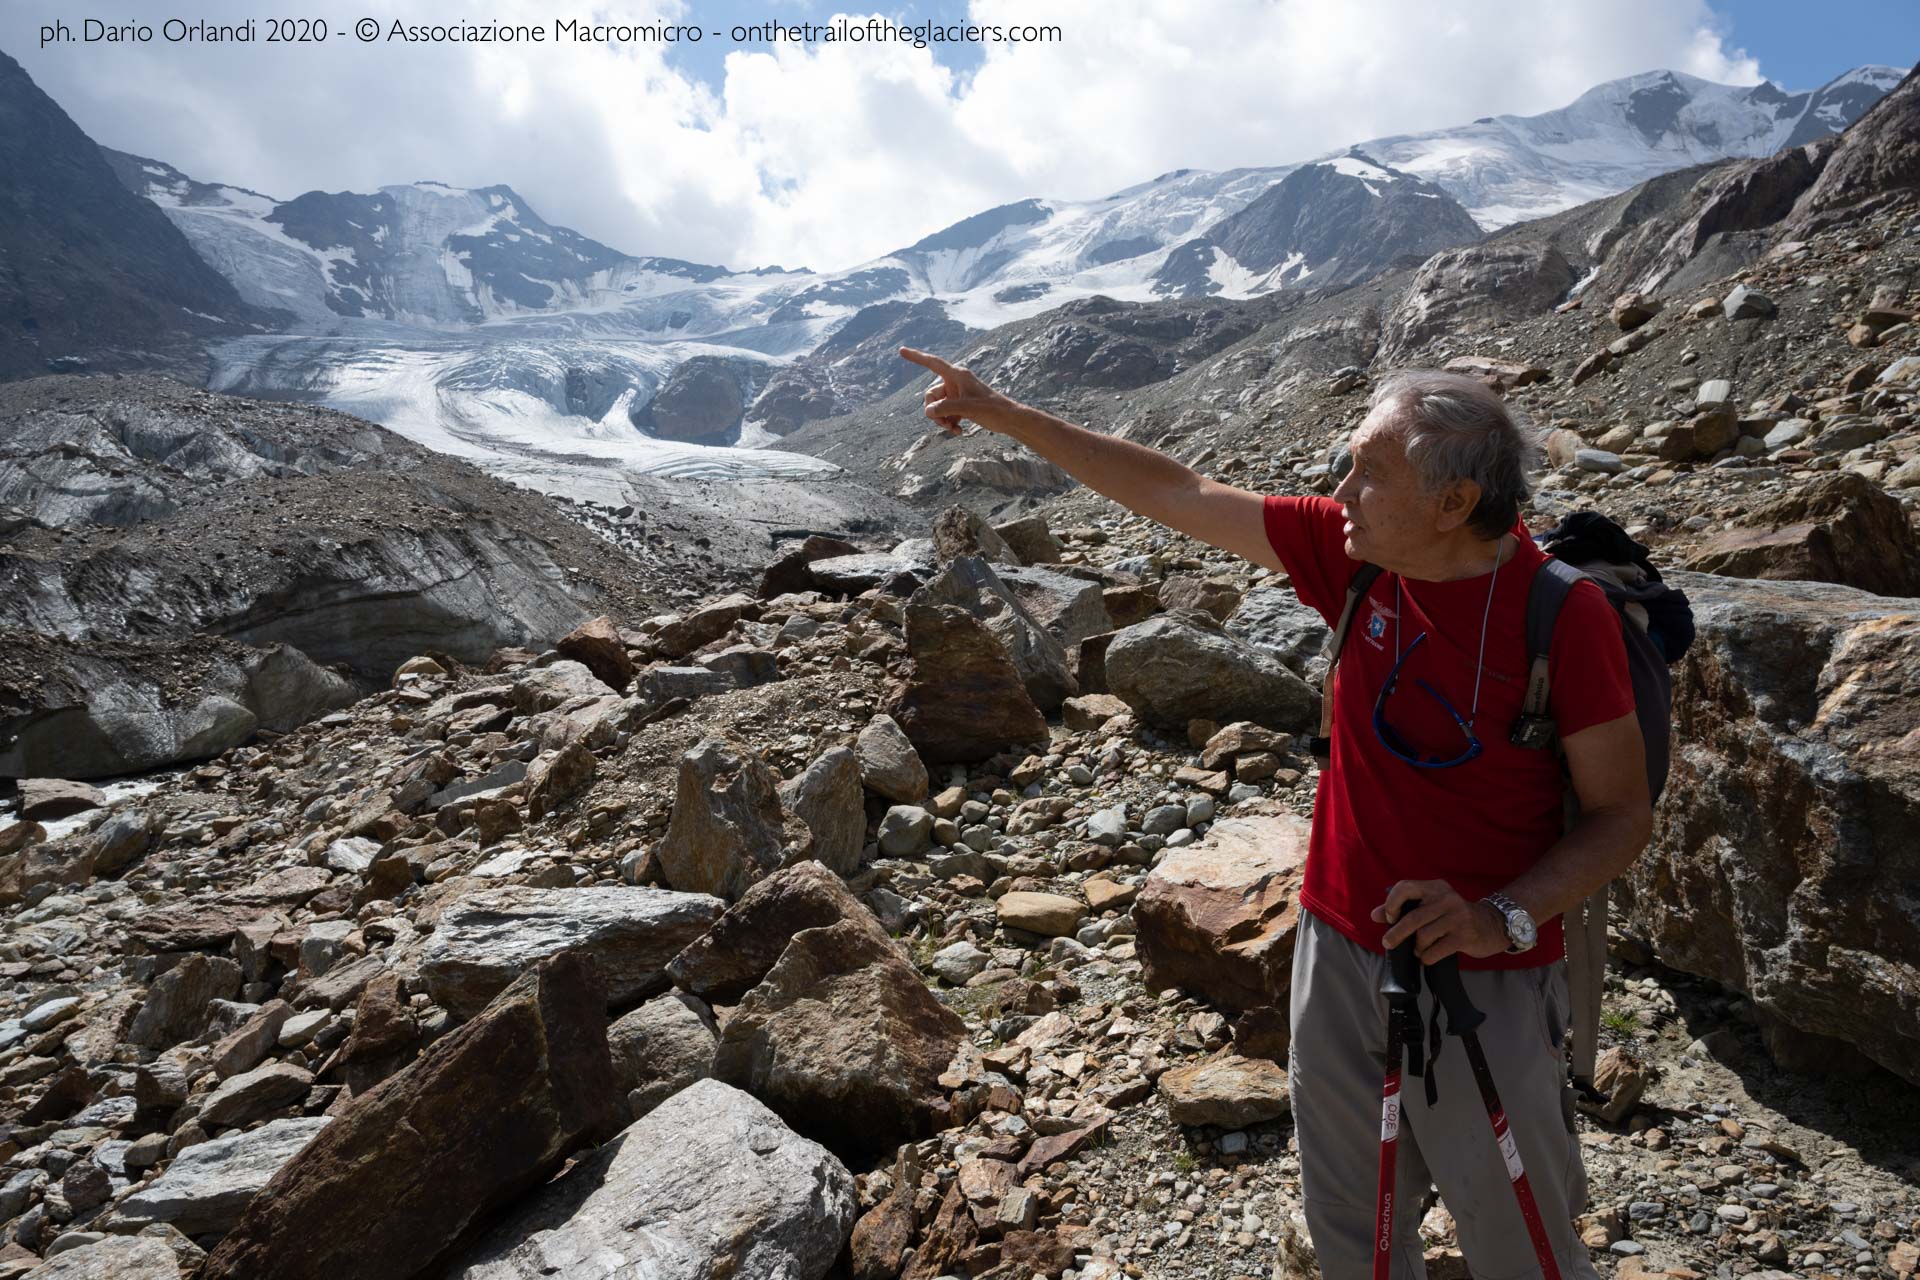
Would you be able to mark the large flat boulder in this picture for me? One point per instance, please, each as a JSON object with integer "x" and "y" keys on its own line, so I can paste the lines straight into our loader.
{"x": 487, "y": 938}
{"x": 1217, "y": 918}
{"x": 1183, "y": 665}
{"x": 489, "y": 1112}
{"x": 1783, "y": 860}
{"x": 208, "y": 1186}
{"x": 709, "y": 1184}
{"x": 1838, "y": 527}
{"x": 113, "y": 1258}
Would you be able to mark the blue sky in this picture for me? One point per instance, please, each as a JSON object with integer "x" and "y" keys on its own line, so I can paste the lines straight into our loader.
{"x": 1802, "y": 44}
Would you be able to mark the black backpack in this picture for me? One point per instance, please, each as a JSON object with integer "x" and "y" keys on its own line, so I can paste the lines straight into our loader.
{"x": 1656, "y": 624}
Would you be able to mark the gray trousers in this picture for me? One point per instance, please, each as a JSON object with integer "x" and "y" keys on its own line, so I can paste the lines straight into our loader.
{"x": 1337, "y": 1064}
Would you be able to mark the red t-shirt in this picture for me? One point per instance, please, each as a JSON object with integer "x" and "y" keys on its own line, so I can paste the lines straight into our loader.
{"x": 1378, "y": 819}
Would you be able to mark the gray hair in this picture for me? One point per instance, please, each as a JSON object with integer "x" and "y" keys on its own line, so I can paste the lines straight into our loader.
{"x": 1455, "y": 427}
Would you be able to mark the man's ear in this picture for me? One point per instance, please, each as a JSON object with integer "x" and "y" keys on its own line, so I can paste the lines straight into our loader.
{"x": 1457, "y": 502}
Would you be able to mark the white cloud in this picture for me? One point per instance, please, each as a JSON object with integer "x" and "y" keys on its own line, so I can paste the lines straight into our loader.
{"x": 828, "y": 155}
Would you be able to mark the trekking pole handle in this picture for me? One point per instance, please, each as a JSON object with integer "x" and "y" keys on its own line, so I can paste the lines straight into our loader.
{"x": 1402, "y": 978}
{"x": 1443, "y": 976}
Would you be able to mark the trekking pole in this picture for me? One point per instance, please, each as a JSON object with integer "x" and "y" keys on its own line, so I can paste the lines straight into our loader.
{"x": 1443, "y": 978}
{"x": 1401, "y": 987}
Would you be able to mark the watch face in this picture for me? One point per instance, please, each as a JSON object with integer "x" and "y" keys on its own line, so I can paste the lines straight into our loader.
{"x": 1521, "y": 926}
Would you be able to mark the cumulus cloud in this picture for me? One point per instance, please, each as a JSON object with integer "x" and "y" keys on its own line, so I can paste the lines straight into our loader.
{"x": 831, "y": 154}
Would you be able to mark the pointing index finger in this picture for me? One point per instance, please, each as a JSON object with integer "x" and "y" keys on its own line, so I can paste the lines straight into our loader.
{"x": 928, "y": 360}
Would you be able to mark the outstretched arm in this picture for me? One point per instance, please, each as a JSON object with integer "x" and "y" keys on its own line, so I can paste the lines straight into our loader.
{"x": 1141, "y": 479}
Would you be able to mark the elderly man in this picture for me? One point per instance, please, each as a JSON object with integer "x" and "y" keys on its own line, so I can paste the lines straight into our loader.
{"x": 1423, "y": 798}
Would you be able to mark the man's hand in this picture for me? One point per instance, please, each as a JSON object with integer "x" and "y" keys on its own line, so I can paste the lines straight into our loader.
{"x": 1445, "y": 922}
{"x": 959, "y": 394}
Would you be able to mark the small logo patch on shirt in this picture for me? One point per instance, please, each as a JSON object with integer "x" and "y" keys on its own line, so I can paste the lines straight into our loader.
{"x": 1377, "y": 624}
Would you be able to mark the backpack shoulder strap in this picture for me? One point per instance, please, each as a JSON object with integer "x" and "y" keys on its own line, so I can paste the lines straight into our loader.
{"x": 1584, "y": 927}
{"x": 1357, "y": 587}
{"x": 1551, "y": 586}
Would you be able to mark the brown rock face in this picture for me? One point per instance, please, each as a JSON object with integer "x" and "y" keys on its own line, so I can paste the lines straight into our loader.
{"x": 489, "y": 1112}
{"x": 732, "y": 957}
{"x": 844, "y": 1041}
{"x": 964, "y": 700}
{"x": 1631, "y": 310}
{"x": 1217, "y": 918}
{"x": 1782, "y": 850}
{"x": 1839, "y": 527}
{"x": 1465, "y": 289}
{"x": 597, "y": 646}
{"x": 728, "y": 828}
{"x": 958, "y": 531}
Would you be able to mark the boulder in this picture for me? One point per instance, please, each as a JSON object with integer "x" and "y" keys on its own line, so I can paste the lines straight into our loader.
{"x": 1217, "y": 918}
{"x": 959, "y": 532}
{"x": 1183, "y": 665}
{"x": 661, "y": 1048}
{"x": 252, "y": 1094}
{"x": 487, "y": 938}
{"x": 845, "y": 1041}
{"x": 709, "y": 1184}
{"x": 544, "y": 688}
{"x": 732, "y": 957}
{"x": 1189, "y": 591}
{"x": 1273, "y": 621}
{"x": 791, "y": 572}
{"x": 18, "y": 835}
{"x": 487, "y": 1114}
{"x": 1502, "y": 375}
{"x": 826, "y": 796}
{"x": 852, "y": 574}
{"x": 113, "y": 1258}
{"x": 889, "y": 766}
{"x": 970, "y": 583}
{"x": 121, "y": 839}
{"x": 1838, "y": 527}
{"x": 50, "y": 862}
{"x": 1781, "y": 849}
{"x": 1229, "y": 1091}
{"x": 596, "y": 645}
{"x": 964, "y": 699}
{"x": 728, "y": 827}
{"x": 208, "y": 1185}
{"x": 1048, "y": 914}
{"x": 1031, "y": 540}
{"x": 704, "y": 625}
{"x": 1071, "y": 609}
{"x": 176, "y": 1005}
{"x": 556, "y": 776}
{"x": 44, "y": 799}
{"x": 1631, "y": 310}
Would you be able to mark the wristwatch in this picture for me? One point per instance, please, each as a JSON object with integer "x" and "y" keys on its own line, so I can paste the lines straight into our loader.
{"x": 1522, "y": 933}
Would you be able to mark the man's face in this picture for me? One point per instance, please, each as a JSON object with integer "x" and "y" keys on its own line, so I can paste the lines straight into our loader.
{"x": 1389, "y": 520}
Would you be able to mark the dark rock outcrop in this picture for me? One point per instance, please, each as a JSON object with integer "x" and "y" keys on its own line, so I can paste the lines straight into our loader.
{"x": 1781, "y": 854}
{"x": 488, "y": 1113}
